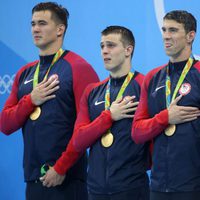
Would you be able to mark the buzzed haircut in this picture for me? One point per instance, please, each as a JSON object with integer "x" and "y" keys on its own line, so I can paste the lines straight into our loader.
{"x": 127, "y": 36}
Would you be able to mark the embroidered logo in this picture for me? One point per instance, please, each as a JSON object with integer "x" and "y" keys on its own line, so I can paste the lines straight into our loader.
{"x": 27, "y": 81}
{"x": 158, "y": 88}
{"x": 185, "y": 89}
{"x": 98, "y": 103}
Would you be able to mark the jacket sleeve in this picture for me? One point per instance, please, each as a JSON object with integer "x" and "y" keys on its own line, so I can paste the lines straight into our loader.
{"x": 15, "y": 111}
{"x": 144, "y": 127}
{"x": 85, "y": 134}
{"x": 82, "y": 75}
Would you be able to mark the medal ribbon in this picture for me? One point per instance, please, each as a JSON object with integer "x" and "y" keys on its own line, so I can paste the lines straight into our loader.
{"x": 121, "y": 91}
{"x": 180, "y": 81}
{"x": 108, "y": 134}
{"x": 36, "y": 74}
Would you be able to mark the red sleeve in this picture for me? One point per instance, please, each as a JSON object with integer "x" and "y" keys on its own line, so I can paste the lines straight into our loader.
{"x": 85, "y": 134}
{"x": 197, "y": 65}
{"x": 83, "y": 74}
{"x": 15, "y": 112}
{"x": 145, "y": 128}
{"x": 139, "y": 79}
{"x": 68, "y": 158}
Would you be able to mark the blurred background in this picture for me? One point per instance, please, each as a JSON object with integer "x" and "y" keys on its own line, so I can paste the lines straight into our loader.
{"x": 87, "y": 20}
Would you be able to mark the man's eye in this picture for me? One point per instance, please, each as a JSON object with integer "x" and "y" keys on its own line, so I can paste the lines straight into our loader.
{"x": 111, "y": 45}
{"x": 173, "y": 30}
{"x": 42, "y": 23}
{"x": 163, "y": 29}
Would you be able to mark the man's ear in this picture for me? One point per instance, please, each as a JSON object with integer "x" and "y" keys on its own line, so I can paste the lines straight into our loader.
{"x": 129, "y": 50}
{"x": 190, "y": 36}
{"x": 60, "y": 30}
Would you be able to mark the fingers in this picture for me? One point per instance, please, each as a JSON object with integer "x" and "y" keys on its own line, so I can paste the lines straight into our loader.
{"x": 189, "y": 109}
{"x": 130, "y": 105}
{"x": 52, "y": 178}
{"x": 42, "y": 178}
{"x": 48, "y": 84}
{"x": 129, "y": 110}
{"x": 189, "y": 119}
{"x": 189, "y": 116}
{"x": 44, "y": 91}
{"x": 128, "y": 116}
{"x": 177, "y": 99}
{"x": 45, "y": 181}
{"x": 47, "y": 98}
{"x": 118, "y": 100}
{"x": 181, "y": 114}
{"x": 51, "y": 90}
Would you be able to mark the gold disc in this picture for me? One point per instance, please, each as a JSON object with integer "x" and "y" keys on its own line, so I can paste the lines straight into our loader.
{"x": 36, "y": 113}
{"x": 170, "y": 130}
{"x": 107, "y": 139}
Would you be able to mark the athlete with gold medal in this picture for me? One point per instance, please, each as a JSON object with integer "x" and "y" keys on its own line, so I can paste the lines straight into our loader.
{"x": 170, "y": 130}
{"x": 117, "y": 166}
{"x": 54, "y": 78}
{"x": 44, "y": 102}
{"x": 169, "y": 114}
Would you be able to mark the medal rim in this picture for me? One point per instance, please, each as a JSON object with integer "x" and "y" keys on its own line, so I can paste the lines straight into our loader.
{"x": 35, "y": 114}
{"x": 105, "y": 142}
{"x": 170, "y": 130}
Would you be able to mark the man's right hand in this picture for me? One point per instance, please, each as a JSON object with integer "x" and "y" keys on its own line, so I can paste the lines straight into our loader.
{"x": 180, "y": 114}
{"x": 44, "y": 90}
{"x": 122, "y": 108}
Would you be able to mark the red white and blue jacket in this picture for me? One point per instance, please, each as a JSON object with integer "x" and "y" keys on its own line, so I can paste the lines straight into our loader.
{"x": 47, "y": 137}
{"x": 123, "y": 165}
{"x": 176, "y": 159}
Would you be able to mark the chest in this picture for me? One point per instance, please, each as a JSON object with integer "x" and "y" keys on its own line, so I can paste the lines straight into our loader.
{"x": 189, "y": 88}
{"x": 62, "y": 69}
{"x": 96, "y": 100}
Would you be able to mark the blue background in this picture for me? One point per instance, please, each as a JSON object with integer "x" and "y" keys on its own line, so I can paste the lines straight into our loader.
{"x": 87, "y": 20}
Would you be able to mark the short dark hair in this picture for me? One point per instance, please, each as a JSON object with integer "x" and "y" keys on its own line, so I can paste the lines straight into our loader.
{"x": 59, "y": 13}
{"x": 127, "y": 36}
{"x": 183, "y": 17}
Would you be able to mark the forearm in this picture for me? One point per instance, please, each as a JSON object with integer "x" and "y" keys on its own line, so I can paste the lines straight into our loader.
{"x": 85, "y": 135}
{"x": 145, "y": 129}
{"x": 13, "y": 116}
{"x": 68, "y": 158}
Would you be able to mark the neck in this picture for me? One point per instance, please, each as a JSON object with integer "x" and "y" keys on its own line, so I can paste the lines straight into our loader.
{"x": 50, "y": 49}
{"x": 122, "y": 70}
{"x": 183, "y": 56}
{"x": 119, "y": 74}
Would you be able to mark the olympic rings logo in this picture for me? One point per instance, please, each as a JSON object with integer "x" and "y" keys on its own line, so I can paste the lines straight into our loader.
{"x": 6, "y": 83}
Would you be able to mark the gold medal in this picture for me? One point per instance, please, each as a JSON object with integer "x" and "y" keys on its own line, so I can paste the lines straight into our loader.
{"x": 107, "y": 139}
{"x": 36, "y": 113}
{"x": 170, "y": 130}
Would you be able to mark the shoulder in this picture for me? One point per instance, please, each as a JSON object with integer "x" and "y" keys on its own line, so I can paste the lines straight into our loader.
{"x": 152, "y": 73}
{"x": 138, "y": 77}
{"x": 82, "y": 71}
{"x": 197, "y": 65}
{"x": 25, "y": 67}
{"x": 93, "y": 86}
{"x": 75, "y": 60}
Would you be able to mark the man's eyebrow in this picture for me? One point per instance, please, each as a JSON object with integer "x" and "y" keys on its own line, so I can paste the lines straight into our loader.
{"x": 33, "y": 21}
